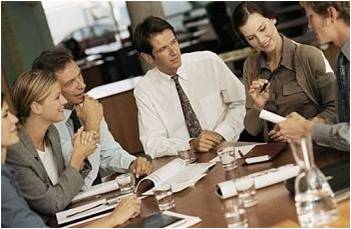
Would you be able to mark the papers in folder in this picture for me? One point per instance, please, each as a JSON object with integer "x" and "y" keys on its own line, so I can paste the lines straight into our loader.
{"x": 86, "y": 211}
{"x": 262, "y": 179}
{"x": 178, "y": 174}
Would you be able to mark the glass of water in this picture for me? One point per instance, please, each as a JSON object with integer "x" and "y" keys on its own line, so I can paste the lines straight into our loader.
{"x": 234, "y": 212}
{"x": 245, "y": 186}
{"x": 187, "y": 155}
{"x": 163, "y": 196}
{"x": 126, "y": 183}
{"x": 227, "y": 156}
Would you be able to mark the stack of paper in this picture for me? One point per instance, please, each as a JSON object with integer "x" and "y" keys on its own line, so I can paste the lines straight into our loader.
{"x": 86, "y": 211}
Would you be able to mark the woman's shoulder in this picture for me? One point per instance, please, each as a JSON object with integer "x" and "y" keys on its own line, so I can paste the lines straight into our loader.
{"x": 312, "y": 57}
{"x": 310, "y": 51}
{"x": 252, "y": 63}
{"x": 22, "y": 151}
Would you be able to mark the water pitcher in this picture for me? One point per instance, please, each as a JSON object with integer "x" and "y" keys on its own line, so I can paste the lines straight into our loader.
{"x": 314, "y": 199}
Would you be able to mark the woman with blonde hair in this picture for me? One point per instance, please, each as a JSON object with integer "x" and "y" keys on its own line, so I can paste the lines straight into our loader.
{"x": 15, "y": 212}
{"x": 46, "y": 183}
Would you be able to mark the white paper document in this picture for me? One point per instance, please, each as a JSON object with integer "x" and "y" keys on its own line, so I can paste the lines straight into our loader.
{"x": 96, "y": 190}
{"x": 271, "y": 117}
{"x": 262, "y": 179}
{"x": 86, "y": 210}
{"x": 178, "y": 174}
{"x": 89, "y": 212}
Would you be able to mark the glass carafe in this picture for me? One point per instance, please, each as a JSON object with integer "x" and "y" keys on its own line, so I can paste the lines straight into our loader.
{"x": 314, "y": 199}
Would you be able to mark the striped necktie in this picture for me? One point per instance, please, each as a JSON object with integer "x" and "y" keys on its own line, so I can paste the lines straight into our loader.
{"x": 192, "y": 123}
{"x": 75, "y": 120}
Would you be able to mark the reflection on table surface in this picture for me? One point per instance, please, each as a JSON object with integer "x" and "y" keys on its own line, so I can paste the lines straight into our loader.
{"x": 275, "y": 206}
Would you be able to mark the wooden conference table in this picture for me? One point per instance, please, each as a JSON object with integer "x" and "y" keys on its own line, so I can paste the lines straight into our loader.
{"x": 275, "y": 206}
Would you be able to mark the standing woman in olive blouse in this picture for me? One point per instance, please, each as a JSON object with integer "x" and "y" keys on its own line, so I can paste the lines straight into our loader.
{"x": 299, "y": 77}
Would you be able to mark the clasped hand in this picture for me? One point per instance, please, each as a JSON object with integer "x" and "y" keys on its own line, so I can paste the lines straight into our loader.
{"x": 91, "y": 112}
{"x": 206, "y": 141}
{"x": 141, "y": 166}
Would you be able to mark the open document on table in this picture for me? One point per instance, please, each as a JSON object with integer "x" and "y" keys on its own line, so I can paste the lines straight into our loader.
{"x": 178, "y": 174}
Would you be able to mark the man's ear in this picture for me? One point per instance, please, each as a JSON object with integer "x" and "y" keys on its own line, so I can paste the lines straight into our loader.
{"x": 36, "y": 108}
{"x": 147, "y": 58}
{"x": 333, "y": 14}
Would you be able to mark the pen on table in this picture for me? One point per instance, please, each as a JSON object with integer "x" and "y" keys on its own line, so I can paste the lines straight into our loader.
{"x": 240, "y": 153}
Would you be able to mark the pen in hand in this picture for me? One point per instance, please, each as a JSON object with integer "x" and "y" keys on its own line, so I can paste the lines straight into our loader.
{"x": 269, "y": 79}
{"x": 264, "y": 87}
{"x": 266, "y": 84}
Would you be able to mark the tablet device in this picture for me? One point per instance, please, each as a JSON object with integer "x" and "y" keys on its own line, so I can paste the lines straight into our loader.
{"x": 157, "y": 220}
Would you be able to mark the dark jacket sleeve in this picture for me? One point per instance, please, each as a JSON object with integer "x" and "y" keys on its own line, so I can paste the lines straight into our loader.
{"x": 15, "y": 212}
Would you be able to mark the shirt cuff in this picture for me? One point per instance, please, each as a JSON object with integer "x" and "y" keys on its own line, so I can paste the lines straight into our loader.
{"x": 146, "y": 156}
{"x": 320, "y": 133}
{"x": 226, "y": 132}
{"x": 129, "y": 161}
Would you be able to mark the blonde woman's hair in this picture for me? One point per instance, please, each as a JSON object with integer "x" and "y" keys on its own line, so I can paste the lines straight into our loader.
{"x": 30, "y": 86}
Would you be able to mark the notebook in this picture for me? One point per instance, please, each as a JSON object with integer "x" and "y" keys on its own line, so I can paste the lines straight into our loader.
{"x": 263, "y": 153}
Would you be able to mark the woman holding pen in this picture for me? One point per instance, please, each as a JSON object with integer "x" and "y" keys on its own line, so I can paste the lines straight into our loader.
{"x": 283, "y": 76}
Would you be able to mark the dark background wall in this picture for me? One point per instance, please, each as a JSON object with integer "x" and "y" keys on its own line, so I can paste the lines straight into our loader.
{"x": 24, "y": 34}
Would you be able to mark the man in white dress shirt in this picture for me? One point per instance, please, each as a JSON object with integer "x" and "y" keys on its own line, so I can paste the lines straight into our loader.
{"x": 87, "y": 112}
{"x": 186, "y": 101}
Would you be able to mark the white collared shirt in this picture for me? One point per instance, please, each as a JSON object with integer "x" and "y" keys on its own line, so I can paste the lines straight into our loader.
{"x": 216, "y": 95}
{"x": 108, "y": 157}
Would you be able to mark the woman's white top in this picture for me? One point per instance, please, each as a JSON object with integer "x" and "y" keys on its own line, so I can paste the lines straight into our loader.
{"x": 50, "y": 165}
